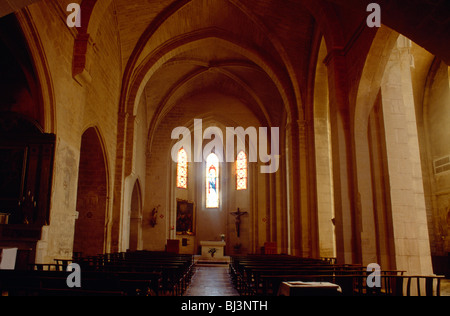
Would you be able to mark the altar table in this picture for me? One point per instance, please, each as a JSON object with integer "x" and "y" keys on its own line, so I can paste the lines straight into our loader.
{"x": 213, "y": 249}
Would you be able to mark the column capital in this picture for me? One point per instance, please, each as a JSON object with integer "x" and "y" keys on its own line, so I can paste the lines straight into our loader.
{"x": 404, "y": 42}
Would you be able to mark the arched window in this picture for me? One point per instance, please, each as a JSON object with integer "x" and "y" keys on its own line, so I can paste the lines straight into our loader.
{"x": 212, "y": 181}
{"x": 241, "y": 171}
{"x": 182, "y": 169}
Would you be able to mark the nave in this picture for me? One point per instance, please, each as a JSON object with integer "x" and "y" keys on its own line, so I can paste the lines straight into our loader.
{"x": 102, "y": 129}
{"x": 211, "y": 280}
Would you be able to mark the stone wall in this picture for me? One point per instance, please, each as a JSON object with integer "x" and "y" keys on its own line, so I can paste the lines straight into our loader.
{"x": 161, "y": 179}
{"x": 78, "y": 107}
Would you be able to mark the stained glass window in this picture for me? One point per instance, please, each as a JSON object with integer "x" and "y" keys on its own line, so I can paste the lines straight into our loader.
{"x": 182, "y": 169}
{"x": 241, "y": 171}
{"x": 212, "y": 181}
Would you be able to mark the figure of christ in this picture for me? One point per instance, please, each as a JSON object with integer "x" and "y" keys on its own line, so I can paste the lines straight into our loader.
{"x": 238, "y": 216}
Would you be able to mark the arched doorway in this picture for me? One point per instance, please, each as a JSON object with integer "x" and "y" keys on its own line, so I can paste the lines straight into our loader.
{"x": 92, "y": 196}
{"x": 136, "y": 219}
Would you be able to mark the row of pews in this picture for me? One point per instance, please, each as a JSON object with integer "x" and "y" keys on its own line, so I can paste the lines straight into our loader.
{"x": 141, "y": 273}
{"x": 263, "y": 275}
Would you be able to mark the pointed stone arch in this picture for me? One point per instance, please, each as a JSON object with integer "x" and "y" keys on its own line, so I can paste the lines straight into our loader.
{"x": 135, "y": 241}
{"x": 22, "y": 40}
{"x": 389, "y": 177}
{"x": 92, "y": 195}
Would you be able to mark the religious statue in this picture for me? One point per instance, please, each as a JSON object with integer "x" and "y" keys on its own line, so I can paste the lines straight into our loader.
{"x": 153, "y": 217}
{"x": 238, "y": 215}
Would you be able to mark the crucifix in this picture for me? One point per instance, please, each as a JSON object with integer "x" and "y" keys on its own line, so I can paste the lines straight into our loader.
{"x": 238, "y": 215}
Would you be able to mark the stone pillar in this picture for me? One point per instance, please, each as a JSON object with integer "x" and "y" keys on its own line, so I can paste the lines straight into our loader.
{"x": 293, "y": 194}
{"x": 308, "y": 225}
{"x": 347, "y": 235}
{"x": 116, "y": 219}
{"x": 409, "y": 219}
{"x": 325, "y": 203}
{"x": 281, "y": 207}
{"x": 128, "y": 183}
{"x": 58, "y": 237}
{"x": 299, "y": 218}
{"x": 253, "y": 182}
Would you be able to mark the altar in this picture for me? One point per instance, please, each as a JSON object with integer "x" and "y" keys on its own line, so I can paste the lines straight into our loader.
{"x": 213, "y": 251}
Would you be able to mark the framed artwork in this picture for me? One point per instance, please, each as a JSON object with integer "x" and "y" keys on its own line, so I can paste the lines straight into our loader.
{"x": 185, "y": 217}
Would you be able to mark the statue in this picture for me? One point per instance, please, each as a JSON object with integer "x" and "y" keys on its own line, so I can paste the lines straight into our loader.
{"x": 153, "y": 217}
{"x": 238, "y": 215}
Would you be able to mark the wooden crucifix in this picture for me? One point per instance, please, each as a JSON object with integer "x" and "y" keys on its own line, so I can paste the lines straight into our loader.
{"x": 238, "y": 215}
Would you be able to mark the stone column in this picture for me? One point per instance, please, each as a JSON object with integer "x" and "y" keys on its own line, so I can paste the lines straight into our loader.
{"x": 125, "y": 123}
{"x": 308, "y": 223}
{"x": 409, "y": 219}
{"x": 293, "y": 192}
{"x": 343, "y": 158}
{"x": 325, "y": 202}
{"x": 281, "y": 207}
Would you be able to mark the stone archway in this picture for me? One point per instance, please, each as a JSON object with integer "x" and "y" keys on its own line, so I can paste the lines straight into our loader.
{"x": 92, "y": 196}
{"x": 136, "y": 219}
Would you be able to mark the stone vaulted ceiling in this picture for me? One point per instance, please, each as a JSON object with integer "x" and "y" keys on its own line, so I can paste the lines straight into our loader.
{"x": 258, "y": 50}
{"x": 255, "y": 50}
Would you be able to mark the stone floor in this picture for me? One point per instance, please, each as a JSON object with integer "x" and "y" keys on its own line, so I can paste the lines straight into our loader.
{"x": 211, "y": 280}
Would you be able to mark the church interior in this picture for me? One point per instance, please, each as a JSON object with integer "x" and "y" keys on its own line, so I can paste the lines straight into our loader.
{"x": 274, "y": 141}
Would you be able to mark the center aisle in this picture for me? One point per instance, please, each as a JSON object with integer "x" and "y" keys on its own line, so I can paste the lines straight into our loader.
{"x": 211, "y": 280}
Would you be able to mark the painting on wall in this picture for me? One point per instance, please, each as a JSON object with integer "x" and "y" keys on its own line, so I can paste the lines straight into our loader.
{"x": 185, "y": 217}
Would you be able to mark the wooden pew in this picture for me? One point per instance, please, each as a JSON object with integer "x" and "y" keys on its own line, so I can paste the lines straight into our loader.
{"x": 246, "y": 280}
{"x": 41, "y": 282}
{"x": 393, "y": 283}
{"x": 350, "y": 284}
{"x": 246, "y": 274}
{"x": 262, "y": 275}
{"x": 176, "y": 269}
{"x": 141, "y": 273}
{"x": 428, "y": 282}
